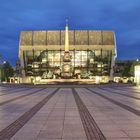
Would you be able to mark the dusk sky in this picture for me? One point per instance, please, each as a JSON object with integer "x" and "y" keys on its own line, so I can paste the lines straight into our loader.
{"x": 121, "y": 16}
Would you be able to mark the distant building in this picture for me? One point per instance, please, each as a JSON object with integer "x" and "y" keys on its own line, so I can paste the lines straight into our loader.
{"x": 137, "y": 74}
{"x": 67, "y": 54}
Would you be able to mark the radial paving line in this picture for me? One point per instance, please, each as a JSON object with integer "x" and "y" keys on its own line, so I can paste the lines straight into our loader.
{"x": 124, "y": 90}
{"x": 15, "y": 91}
{"x": 126, "y": 107}
{"x": 8, "y": 132}
{"x": 91, "y": 128}
{"x": 20, "y": 97}
{"x": 11, "y": 88}
{"x": 137, "y": 98}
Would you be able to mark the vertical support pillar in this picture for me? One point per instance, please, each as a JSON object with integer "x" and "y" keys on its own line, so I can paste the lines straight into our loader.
{"x": 81, "y": 58}
{"x": 60, "y": 57}
{"x": 112, "y": 66}
{"x": 87, "y": 60}
{"x": 33, "y": 51}
{"x": 74, "y": 61}
{"x": 101, "y": 61}
{"x": 24, "y": 67}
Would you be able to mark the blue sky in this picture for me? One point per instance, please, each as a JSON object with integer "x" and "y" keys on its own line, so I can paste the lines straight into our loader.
{"x": 122, "y": 16}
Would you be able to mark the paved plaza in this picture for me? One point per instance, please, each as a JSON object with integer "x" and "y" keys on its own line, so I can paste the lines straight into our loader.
{"x": 70, "y": 113}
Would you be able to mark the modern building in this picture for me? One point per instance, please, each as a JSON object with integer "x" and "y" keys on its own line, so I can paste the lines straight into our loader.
{"x": 67, "y": 55}
{"x": 137, "y": 74}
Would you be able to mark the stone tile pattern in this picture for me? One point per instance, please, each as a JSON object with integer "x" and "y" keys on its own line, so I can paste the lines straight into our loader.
{"x": 59, "y": 118}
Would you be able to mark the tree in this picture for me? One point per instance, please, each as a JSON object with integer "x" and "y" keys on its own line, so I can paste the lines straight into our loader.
{"x": 1, "y": 69}
{"x": 0, "y": 59}
{"x": 126, "y": 71}
{"x": 8, "y": 70}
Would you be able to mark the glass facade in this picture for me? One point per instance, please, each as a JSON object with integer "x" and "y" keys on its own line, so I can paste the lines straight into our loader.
{"x": 48, "y": 63}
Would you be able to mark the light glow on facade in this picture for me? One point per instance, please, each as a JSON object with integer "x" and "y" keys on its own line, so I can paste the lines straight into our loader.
{"x": 67, "y": 54}
{"x": 137, "y": 75}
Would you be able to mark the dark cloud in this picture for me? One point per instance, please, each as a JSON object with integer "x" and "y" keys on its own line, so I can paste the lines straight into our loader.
{"x": 122, "y": 16}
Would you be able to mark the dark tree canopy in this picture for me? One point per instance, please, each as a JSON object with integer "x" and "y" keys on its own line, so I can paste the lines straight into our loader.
{"x": 8, "y": 70}
{"x": 126, "y": 71}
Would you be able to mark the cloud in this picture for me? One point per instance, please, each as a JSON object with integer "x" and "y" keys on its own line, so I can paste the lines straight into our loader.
{"x": 122, "y": 16}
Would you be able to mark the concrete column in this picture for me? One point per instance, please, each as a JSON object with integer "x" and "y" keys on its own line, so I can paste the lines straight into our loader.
{"x": 112, "y": 68}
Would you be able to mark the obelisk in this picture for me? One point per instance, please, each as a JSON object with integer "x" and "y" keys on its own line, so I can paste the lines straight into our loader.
{"x": 67, "y": 58}
{"x": 66, "y": 36}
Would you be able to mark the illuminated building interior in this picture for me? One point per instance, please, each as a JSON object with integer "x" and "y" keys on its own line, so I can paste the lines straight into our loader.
{"x": 90, "y": 62}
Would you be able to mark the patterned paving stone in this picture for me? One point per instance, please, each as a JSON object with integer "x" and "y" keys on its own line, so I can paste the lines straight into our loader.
{"x": 59, "y": 118}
